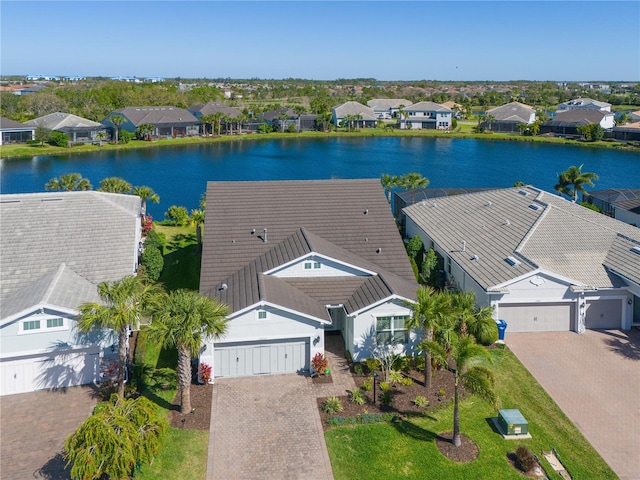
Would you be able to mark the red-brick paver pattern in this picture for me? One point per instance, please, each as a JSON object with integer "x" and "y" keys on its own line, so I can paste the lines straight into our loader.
{"x": 33, "y": 428}
{"x": 595, "y": 379}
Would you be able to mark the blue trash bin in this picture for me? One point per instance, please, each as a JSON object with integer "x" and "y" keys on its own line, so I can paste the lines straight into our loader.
{"x": 502, "y": 326}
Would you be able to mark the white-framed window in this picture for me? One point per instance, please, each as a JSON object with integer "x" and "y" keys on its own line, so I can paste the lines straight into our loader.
{"x": 316, "y": 265}
{"x": 307, "y": 265}
{"x": 392, "y": 329}
{"x": 42, "y": 323}
{"x": 31, "y": 325}
{"x": 55, "y": 322}
{"x": 262, "y": 315}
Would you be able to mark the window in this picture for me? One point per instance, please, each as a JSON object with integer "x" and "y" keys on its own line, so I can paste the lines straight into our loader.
{"x": 392, "y": 329}
{"x": 262, "y": 315}
{"x": 307, "y": 265}
{"x": 31, "y": 325}
{"x": 54, "y": 322}
{"x": 316, "y": 265}
{"x": 449, "y": 264}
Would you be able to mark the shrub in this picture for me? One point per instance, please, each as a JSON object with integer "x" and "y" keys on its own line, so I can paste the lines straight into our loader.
{"x": 357, "y": 368}
{"x": 386, "y": 398}
{"x": 176, "y": 214}
{"x": 526, "y": 460}
{"x": 367, "y": 385}
{"x": 407, "y": 381}
{"x": 332, "y": 405}
{"x": 401, "y": 362}
{"x": 372, "y": 364}
{"x": 156, "y": 239}
{"x": 320, "y": 363}
{"x": 395, "y": 376}
{"x": 442, "y": 392}
{"x": 58, "y": 139}
{"x": 125, "y": 137}
{"x": 385, "y": 386}
{"x": 420, "y": 401}
{"x": 205, "y": 372}
{"x": 153, "y": 262}
{"x": 347, "y": 356}
{"x": 357, "y": 397}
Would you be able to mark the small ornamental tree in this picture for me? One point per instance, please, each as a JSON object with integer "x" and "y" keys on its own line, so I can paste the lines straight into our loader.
{"x": 177, "y": 215}
{"x": 320, "y": 363}
{"x": 121, "y": 434}
{"x": 58, "y": 139}
{"x": 153, "y": 262}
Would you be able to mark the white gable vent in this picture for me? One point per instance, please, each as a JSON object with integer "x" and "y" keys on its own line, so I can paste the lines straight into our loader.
{"x": 523, "y": 192}
{"x": 635, "y": 250}
{"x": 533, "y": 206}
{"x": 512, "y": 261}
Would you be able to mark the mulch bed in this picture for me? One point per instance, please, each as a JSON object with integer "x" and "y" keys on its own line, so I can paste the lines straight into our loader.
{"x": 200, "y": 417}
{"x": 467, "y": 452}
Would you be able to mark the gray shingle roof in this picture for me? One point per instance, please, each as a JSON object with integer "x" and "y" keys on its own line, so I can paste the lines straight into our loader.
{"x": 58, "y": 120}
{"x": 539, "y": 229}
{"x": 577, "y": 117}
{"x": 427, "y": 107}
{"x": 388, "y": 103}
{"x": 7, "y": 123}
{"x": 94, "y": 234}
{"x": 302, "y": 217}
{"x": 512, "y": 112}
{"x": 156, "y": 115}
{"x": 355, "y": 108}
{"x": 212, "y": 108}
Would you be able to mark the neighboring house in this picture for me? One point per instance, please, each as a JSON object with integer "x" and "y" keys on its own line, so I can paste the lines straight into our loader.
{"x": 628, "y": 132}
{"x": 367, "y": 115}
{"x": 457, "y": 109}
{"x": 14, "y": 132}
{"x": 584, "y": 104}
{"x": 635, "y": 116}
{"x": 168, "y": 122}
{"x": 387, "y": 108}
{"x": 30, "y": 89}
{"x": 544, "y": 263}
{"x": 620, "y": 203}
{"x": 507, "y": 117}
{"x": 426, "y": 116}
{"x": 302, "y": 123}
{"x": 294, "y": 259}
{"x": 80, "y": 130}
{"x": 55, "y": 249}
{"x": 567, "y": 123}
{"x": 213, "y": 108}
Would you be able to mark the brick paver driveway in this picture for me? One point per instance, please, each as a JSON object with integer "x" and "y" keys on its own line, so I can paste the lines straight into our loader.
{"x": 33, "y": 429}
{"x": 266, "y": 427}
{"x": 595, "y": 379}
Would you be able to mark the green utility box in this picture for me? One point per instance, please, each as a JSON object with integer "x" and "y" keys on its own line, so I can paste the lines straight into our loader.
{"x": 512, "y": 422}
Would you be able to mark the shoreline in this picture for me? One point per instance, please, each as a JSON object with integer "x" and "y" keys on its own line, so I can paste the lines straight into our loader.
{"x": 26, "y": 151}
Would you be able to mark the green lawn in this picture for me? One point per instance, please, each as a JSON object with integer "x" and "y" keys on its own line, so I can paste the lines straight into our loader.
{"x": 182, "y": 259}
{"x": 406, "y": 449}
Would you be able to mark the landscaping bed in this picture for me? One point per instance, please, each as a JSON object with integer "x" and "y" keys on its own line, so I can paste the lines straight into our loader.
{"x": 200, "y": 416}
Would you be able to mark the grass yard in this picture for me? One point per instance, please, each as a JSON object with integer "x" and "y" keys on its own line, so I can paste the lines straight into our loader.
{"x": 406, "y": 449}
{"x": 181, "y": 258}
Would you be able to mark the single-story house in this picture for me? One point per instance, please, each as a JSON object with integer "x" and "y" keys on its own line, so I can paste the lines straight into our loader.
{"x": 567, "y": 123}
{"x": 59, "y": 247}
{"x": 543, "y": 262}
{"x": 295, "y": 260}
{"x": 367, "y": 117}
{"x": 628, "y": 132}
{"x": 584, "y": 104}
{"x": 168, "y": 122}
{"x": 301, "y": 122}
{"x": 80, "y": 130}
{"x": 387, "y": 108}
{"x": 213, "y": 108}
{"x": 507, "y": 117}
{"x": 14, "y": 132}
{"x": 620, "y": 203}
{"x": 426, "y": 115}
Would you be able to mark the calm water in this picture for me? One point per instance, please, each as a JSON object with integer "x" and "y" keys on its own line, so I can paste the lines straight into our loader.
{"x": 179, "y": 174}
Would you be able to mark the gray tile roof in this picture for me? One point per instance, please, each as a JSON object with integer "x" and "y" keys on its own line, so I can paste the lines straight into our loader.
{"x": 615, "y": 195}
{"x": 582, "y": 102}
{"x": 388, "y": 103}
{"x": 577, "y": 117}
{"x": 156, "y": 115}
{"x": 512, "y": 112}
{"x": 539, "y": 229}
{"x": 427, "y": 107}
{"x": 623, "y": 260}
{"x": 301, "y": 217}
{"x": 212, "y": 108}
{"x": 355, "y": 108}
{"x": 94, "y": 234}
{"x": 58, "y": 120}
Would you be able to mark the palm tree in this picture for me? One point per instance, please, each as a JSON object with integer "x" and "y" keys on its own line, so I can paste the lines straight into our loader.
{"x": 184, "y": 319}
{"x": 282, "y": 117}
{"x": 125, "y": 301}
{"x": 197, "y": 218}
{"x": 146, "y": 193}
{"x": 117, "y": 120}
{"x": 572, "y": 181}
{"x": 471, "y": 320}
{"x": 208, "y": 120}
{"x": 114, "y": 185}
{"x": 479, "y": 380}
{"x": 388, "y": 182}
{"x": 101, "y": 136}
{"x": 431, "y": 311}
{"x": 68, "y": 183}
{"x": 412, "y": 181}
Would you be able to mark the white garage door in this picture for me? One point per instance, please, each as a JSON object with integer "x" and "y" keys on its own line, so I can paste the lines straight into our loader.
{"x": 537, "y": 317}
{"x": 260, "y": 358}
{"x": 603, "y": 314}
{"x": 55, "y": 370}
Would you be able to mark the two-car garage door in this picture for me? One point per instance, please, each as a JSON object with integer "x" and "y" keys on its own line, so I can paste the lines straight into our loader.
{"x": 538, "y": 317}
{"x": 262, "y": 357}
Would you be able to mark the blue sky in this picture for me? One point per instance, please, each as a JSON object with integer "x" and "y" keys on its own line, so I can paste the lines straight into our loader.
{"x": 452, "y": 40}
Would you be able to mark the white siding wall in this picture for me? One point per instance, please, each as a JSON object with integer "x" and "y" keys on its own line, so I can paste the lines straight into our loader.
{"x": 627, "y": 217}
{"x": 328, "y": 268}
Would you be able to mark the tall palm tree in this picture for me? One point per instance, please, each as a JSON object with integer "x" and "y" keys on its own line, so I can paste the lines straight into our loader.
{"x": 124, "y": 301}
{"x": 431, "y": 311}
{"x": 572, "y": 181}
{"x": 146, "y": 193}
{"x": 114, "y": 185}
{"x": 117, "y": 120}
{"x": 68, "y": 183}
{"x": 197, "y": 218}
{"x": 282, "y": 118}
{"x": 388, "y": 182}
{"x": 184, "y": 319}
{"x": 479, "y": 380}
{"x": 471, "y": 320}
{"x": 101, "y": 136}
{"x": 208, "y": 120}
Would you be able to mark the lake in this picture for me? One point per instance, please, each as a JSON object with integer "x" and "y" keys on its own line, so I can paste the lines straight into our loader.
{"x": 179, "y": 174}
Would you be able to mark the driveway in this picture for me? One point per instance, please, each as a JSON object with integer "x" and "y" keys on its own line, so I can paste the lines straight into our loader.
{"x": 266, "y": 427}
{"x": 595, "y": 379}
{"x": 34, "y": 427}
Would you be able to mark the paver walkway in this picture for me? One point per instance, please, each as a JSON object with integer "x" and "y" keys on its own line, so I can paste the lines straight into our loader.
{"x": 595, "y": 379}
{"x": 33, "y": 427}
{"x": 342, "y": 380}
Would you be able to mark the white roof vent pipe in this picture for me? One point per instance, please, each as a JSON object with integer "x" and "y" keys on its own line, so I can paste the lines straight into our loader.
{"x": 507, "y": 222}
{"x": 264, "y": 238}
{"x": 464, "y": 246}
